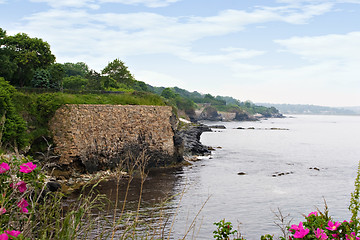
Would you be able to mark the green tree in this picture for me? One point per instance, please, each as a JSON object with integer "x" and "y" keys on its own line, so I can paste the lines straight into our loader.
{"x": 94, "y": 81}
{"x": 168, "y": 93}
{"x": 118, "y": 71}
{"x": 28, "y": 54}
{"x": 7, "y": 67}
{"x": 41, "y": 78}
{"x": 75, "y": 82}
{"x": 57, "y": 73}
{"x": 12, "y": 127}
{"x": 76, "y": 69}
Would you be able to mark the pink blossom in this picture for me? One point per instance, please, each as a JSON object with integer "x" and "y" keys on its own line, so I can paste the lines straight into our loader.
{"x": 301, "y": 233}
{"x": 296, "y": 227}
{"x": 2, "y": 211}
{"x": 23, "y": 204}
{"x": 333, "y": 226}
{"x": 4, "y": 236}
{"x": 320, "y": 234}
{"x": 21, "y": 186}
{"x": 352, "y": 236}
{"x": 13, "y": 233}
{"x": 24, "y": 210}
{"x": 4, "y": 167}
{"x": 27, "y": 167}
{"x": 313, "y": 213}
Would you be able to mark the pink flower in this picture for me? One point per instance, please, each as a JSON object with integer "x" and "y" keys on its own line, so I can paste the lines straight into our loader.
{"x": 296, "y": 227}
{"x": 301, "y": 233}
{"x": 313, "y": 213}
{"x": 27, "y": 167}
{"x": 2, "y": 211}
{"x": 24, "y": 210}
{"x": 320, "y": 234}
{"x": 23, "y": 204}
{"x": 333, "y": 226}
{"x": 13, "y": 233}
{"x": 351, "y": 237}
{"x": 21, "y": 186}
{"x": 4, "y": 236}
{"x": 4, "y": 167}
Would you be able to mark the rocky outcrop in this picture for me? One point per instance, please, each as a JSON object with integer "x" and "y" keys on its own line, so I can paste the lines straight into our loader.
{"x": 190, "y": 135}
{"x": 210, "y": 113}
{"x": 90, "y": 138}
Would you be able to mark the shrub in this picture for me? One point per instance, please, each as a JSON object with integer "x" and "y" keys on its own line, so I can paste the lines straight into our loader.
{"x": 12, "y": 126}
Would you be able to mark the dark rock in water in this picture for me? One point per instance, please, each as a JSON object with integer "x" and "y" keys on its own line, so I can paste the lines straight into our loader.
{"x": 251, "y": 128}
{"x": 277, "y": 174}
{"x": 315, "y": 168}
{"x": 241, "y": 173}
{"x": 240, "y": 128}
{"x": 53, "y": 186}
{"x": 218, "y": 126}
{"x": 190, "y": 136}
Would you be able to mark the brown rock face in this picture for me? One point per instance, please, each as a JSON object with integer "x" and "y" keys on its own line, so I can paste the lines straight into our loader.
{"x": 97, "y": 137}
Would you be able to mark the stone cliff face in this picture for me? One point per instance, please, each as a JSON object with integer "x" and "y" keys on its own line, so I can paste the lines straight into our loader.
{"x": 96, "y": 137}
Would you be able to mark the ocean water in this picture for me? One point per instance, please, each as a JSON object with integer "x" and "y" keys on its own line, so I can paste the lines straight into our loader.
{"x": 329, "y": 143}
{"x": 318, "y": 156}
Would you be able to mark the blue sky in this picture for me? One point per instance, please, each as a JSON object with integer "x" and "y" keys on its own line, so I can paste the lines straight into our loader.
{"x": 277, "y": 51}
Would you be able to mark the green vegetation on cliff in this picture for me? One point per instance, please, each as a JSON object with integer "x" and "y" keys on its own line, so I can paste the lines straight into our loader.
{"x": 27, "y": 64}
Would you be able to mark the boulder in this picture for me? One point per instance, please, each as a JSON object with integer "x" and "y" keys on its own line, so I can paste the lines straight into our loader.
{"x": 190, "y": 135}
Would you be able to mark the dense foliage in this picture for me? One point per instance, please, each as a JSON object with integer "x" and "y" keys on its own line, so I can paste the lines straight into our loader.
{"x": 12, "y": 126}
{"x": 28, "y": 64}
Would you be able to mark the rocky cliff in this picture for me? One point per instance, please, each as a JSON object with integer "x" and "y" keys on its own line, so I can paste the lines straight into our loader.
{"x": 89, "y": 138}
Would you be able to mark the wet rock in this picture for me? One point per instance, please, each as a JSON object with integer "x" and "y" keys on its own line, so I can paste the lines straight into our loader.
{"x": 190, "y": 136}
{"x": 241, "y": 173}
{"x": 53, "y": 186}
{"x": 315, "y": 168}
{"x": 279, "y": 174}
{"x": 218, "y": 126}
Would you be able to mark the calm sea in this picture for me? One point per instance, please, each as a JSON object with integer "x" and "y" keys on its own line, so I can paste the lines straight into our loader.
{"x": 318, "y": 155}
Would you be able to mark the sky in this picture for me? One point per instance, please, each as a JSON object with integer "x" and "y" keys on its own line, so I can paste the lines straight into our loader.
{"x": 274, "y": 51}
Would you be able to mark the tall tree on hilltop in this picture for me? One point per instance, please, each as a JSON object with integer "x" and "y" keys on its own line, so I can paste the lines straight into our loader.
{"x": 28, "y": 54}
{"x": 118, "y": 71}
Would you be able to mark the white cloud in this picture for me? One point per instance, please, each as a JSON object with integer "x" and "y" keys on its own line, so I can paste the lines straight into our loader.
{"x": 317, "y": 1}
{"x": 158, "y": 79}
{"x": 95, "y": 4}
{"x": 148, "y": 3}
{"x": 77, "y": 33}
{"x": 229, "y": 55}
{"x": 3, "y": 1}
{"x": 341, "y": 48}
{"x": 70, "y": 3}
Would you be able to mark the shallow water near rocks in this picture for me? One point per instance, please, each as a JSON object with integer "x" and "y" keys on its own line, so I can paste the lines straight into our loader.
{"x": 318, "y": 156}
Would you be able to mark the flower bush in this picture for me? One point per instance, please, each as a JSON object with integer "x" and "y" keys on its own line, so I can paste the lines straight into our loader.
{"x": 20, "y": 187}
{"x": 319, "y": 225}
